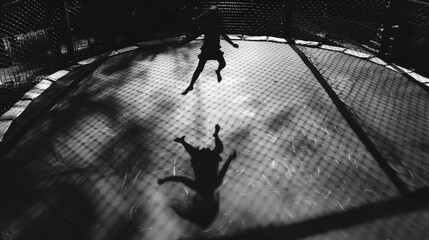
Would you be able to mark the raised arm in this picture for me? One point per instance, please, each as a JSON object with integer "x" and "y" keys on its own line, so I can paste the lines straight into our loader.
{"x": 224, "y": 36}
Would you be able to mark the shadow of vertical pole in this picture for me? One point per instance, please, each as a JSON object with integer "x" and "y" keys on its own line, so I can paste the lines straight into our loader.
{"x": 390, "y": 172}
{"x": 341, "y": 220}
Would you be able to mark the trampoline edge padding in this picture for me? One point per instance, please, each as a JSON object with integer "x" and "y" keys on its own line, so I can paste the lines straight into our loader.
{"x": 15, "y": 122}
{"x": 115, "y": 122}
{"x": 34, "y": 93}
{"x": 39, "y": 89}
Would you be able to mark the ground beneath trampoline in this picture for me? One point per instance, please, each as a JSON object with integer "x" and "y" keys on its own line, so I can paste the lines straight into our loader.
{"x": 89, "y": 169}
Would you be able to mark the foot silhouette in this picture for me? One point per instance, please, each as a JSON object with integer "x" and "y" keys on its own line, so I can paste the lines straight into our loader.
{"x": 217, "y": 128}
{"x": 161, "y": 181}
{"x": 179, "y": 140}
{"x": 233, "y": 155}
{"x": 219, "y": 77}
{"x": 187, "y": 90}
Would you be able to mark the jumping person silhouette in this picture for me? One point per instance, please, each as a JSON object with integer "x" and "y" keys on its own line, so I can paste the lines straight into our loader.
{"x": 205, "y": 163}
{"x": 210, "y": 24}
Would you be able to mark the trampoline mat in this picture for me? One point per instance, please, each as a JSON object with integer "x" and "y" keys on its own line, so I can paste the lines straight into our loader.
{"x": 89, "y": 168}
{"x": 391, "y": 109}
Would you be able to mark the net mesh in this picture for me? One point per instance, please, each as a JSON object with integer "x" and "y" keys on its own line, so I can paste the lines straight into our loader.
{"x": 101, "y": 149}
{"x": 339, "y": 21}
{"x": 89, "y": 168}
{"x": 411, "y": 46}
{"x": 251, "y": 18}
{"x": 30, "y": 46}
{"x": 390, "y": 108}
{"x": 40, "y": 36}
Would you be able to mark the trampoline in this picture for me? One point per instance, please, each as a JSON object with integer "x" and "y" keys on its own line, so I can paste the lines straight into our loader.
{"x": 324, "y": 151}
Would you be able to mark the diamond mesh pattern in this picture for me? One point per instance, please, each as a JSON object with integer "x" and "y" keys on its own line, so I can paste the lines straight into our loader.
{"x": 105, "y": 145}
{"x": 30, "y": 45}
{"x": 251, "y": 18}
{"x": 89, "y": 168}
{"x": 391, "y": 109}
{"x": 339, "y": 20}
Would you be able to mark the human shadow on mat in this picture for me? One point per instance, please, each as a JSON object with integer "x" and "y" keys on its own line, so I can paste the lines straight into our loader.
{"x": 45, "y": 172}
{"x": 203, "y": 207}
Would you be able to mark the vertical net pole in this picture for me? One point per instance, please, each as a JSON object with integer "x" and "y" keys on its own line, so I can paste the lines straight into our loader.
{"x": 290, "y": 9}
{"x": 68, "y": 34}
{"x": 392, "y": 18}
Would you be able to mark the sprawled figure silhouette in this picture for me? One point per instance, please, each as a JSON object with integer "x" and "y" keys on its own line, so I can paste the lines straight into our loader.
{"x": 209, "y": 24}
{"x": 205, "y": 163}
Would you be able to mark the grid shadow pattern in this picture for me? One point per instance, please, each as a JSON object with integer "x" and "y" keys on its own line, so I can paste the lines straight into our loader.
{"x": 89, "y": 169}
{"x": 391, "y": 108}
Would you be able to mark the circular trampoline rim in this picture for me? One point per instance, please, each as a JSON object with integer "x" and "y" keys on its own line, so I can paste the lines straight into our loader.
{"x": 21, "y": 106}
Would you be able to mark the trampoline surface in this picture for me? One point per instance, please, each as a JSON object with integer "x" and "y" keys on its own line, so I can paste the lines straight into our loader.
{"x": 89, "y": 168}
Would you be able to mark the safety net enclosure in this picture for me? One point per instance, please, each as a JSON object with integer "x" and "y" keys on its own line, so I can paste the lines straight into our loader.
{"x": 324, "y": 104}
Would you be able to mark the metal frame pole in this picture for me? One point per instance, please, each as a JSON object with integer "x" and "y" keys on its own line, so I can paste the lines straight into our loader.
{"x": 287, "y": 28}
{"x": 392, "y": 17}
{"x": 69, "y": 38}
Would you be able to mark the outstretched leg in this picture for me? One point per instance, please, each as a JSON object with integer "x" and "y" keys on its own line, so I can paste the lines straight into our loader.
{"x": 222, "y": 64}
{"x": 218, "y": 143}
{"x": 185, "y": 180}
{"x": 225, "y": 167}
{"x": 188, "y": 147}
{"x": 195, "y": 76}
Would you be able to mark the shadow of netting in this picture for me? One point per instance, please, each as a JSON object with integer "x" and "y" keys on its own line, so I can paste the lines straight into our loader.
{"x": 399, "y": 217}
{"x": 51, "y": 177}
{"x": 301, "y": 171}
{"x": 111, "y": 138}
{"x": 392, "y": 110}
{"x": 82, "y": 171}
{"x": 297, "y": 157}
{"x": 302, "y": 162}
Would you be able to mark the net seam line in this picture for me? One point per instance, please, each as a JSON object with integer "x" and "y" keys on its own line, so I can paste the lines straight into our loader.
{"x": 357, "y": 129}
{"x": 410, "y": 78}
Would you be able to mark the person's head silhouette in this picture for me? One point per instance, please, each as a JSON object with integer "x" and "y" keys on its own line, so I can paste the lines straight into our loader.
{"x": 214, "y": 15}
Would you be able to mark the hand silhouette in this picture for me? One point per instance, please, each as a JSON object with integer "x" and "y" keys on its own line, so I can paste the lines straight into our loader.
{"x": 179, "y": 140}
